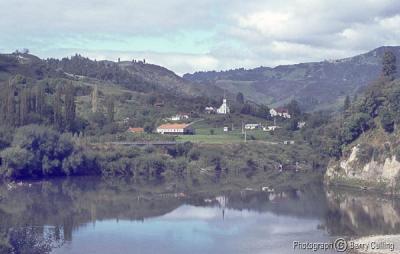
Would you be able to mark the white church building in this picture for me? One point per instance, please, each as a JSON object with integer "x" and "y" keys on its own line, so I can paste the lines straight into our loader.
{"x": 224, "y": 109}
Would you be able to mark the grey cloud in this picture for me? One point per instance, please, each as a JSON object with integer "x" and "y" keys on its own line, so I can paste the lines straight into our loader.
{"x": 248, "y": 33}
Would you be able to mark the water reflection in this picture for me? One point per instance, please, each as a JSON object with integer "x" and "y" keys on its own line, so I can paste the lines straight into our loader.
{"x": 359, "y": 214}
{"x": 90, "y": 215}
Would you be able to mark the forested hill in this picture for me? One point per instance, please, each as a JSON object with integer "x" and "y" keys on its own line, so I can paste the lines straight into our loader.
{"x": 363, "y": 140}
{"x": 134, "y": 75}
{"x": 317, "y": 85}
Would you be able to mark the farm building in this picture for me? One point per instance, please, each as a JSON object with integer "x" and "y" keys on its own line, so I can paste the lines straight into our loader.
{"x": 175, "y": 129}
{"x": 270, "y": 128}
{"x": 136, "y": 130}
{"x": 282, "y": 112}
{"x": 252, "y": 126}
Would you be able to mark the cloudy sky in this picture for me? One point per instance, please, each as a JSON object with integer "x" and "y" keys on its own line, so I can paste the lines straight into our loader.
{"x": 188, "y": 36}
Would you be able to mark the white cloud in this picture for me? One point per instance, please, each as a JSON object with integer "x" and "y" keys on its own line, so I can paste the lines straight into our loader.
{"x": 246, "y": 33}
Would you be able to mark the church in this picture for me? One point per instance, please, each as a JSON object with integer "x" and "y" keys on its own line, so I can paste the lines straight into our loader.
{"x": 224, "y": 109}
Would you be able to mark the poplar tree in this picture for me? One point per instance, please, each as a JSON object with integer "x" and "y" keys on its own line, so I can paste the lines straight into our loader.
{"x": 110, "y": 105}
{"x": 70, "y": 107}
{"x": 23, "y": 106}
{"x": 57, "y": 108}
{"x": 95, "y": 94}
{"x": 39, "y": 100}
{"x": 11, "y": 108}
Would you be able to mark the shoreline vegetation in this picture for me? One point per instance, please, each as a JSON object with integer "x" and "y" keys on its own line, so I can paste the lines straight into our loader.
{"x": 40, "y": 152}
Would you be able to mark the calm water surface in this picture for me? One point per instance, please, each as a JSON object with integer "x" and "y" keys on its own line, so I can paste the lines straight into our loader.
{"x": 86, "y": 215}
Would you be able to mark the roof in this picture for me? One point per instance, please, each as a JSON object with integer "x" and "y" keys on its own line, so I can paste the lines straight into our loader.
{"x": 282, "y": 110}
{"x": 173, "y": 126}
{"x": 136, "y": 129}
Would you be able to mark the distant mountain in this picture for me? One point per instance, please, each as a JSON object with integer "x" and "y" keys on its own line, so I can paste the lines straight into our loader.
{"x": 317, "y": 85}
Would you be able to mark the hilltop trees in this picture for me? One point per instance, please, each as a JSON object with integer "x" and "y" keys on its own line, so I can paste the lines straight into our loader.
{"x": 389, "y": 65}
{"x": 102, "y": 70}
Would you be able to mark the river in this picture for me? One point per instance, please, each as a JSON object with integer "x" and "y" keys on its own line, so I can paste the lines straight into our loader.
{"x": 92, "y": 215}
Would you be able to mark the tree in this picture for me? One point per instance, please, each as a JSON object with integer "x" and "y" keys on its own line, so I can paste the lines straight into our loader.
{"x": 387, "y": 121}
{"x": 57, "y": 108}
{"x": 18, "y": 162}
{"x": 148, "y": 128}
{"x": 347, "y": 103}
{"x": 247, "y": 109}
{"x": 95, "y": 95}
{"x": 110, "y": 105}
{"x": 240, "y": 98}
{"x": 294, "y": 108}
{"x": 23, "y": 107}
{"x": 389, "y": 65}
{"x": 263, "y": 112}
{"x": 39, "y": 100}
{"x": 355, "y": 126}
{"x": 70, "y": 107}
{"x": 292, "y": 125}
{"x": 11, "y": 105}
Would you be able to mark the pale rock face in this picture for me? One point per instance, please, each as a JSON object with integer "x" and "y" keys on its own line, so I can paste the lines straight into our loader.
{"x": 374, "y": 171}
{"x": 391, "y": 168}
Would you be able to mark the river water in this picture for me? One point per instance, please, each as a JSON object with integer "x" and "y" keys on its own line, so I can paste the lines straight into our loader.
{"x": 90, "y": 215}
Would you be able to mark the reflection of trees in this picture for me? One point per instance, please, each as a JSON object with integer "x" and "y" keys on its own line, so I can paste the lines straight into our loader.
{"x": 67, "y": 204}
{"x": 61, "y": 206}
{"x": 34, "y": 240}
{"x": 358, "y": 214}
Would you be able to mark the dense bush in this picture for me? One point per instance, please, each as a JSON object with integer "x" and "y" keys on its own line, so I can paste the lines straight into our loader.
{"x": 387, "y": 121}
{"x": 365, "y": 153}
{"x": 38, "y": 151}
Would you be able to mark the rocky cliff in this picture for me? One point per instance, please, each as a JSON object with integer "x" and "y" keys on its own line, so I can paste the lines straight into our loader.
{"x": 352, "y": 170}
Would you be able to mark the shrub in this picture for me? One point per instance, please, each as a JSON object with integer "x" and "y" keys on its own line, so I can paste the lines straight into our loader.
{"x": 365, "y": 153}
{"x": 387, "y": 121}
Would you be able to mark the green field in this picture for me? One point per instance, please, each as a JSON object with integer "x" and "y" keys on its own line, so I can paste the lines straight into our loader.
{"x": 204, "y": 135}
{"x": 211, "y": 139}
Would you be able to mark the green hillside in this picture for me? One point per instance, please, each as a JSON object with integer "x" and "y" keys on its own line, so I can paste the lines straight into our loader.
{"x": 71, "y": 117}
{"x": 316, "y": 86}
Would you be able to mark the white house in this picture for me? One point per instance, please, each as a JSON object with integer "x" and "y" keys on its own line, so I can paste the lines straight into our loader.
{"x": 252, "y": 126}
{"x": 301, "y": 124}
{"x": 227, "y": 128}
{"x": 282, "y": 112}
{"x": 174, "y": 129}
{"x": 224, "y": 109}
{"x": 179, "y": 117}
{"x": 210, "y": 110}
{"x": 271, "y": 128}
